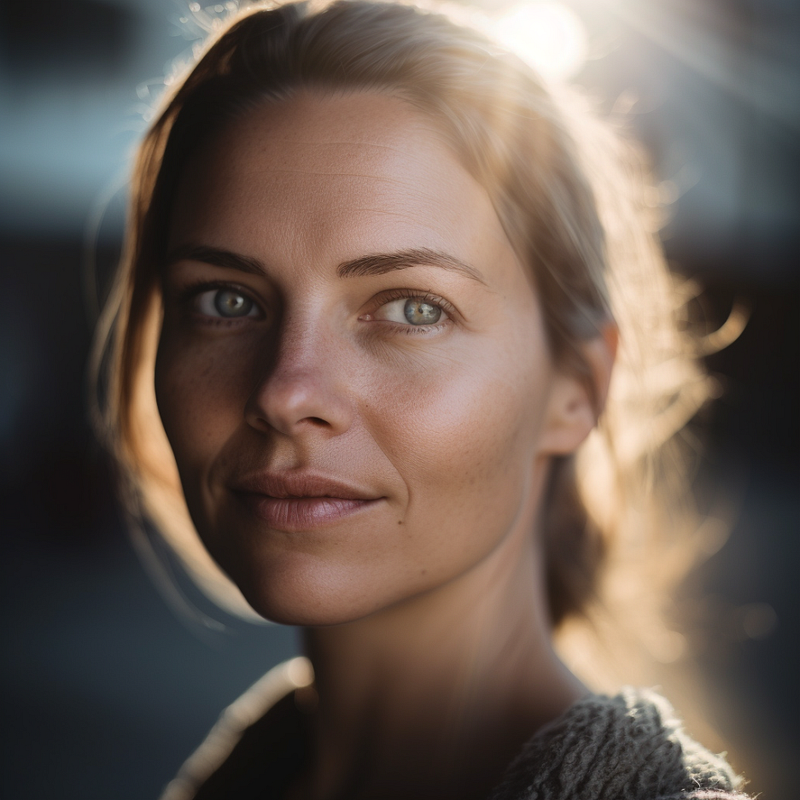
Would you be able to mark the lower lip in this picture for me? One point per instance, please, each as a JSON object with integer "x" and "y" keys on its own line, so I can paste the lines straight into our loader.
{"x": 302, "y": 514}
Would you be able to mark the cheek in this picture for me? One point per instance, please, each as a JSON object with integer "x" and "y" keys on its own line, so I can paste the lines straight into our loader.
{"x": 199, "y": 391}
{"x": 463, "y": 436}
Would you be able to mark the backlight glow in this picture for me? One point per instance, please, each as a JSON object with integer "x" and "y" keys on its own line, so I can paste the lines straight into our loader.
{"x": 549, "y": 36}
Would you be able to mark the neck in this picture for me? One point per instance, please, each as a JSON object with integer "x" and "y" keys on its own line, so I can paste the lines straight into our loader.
{"x": 435, "y": 696}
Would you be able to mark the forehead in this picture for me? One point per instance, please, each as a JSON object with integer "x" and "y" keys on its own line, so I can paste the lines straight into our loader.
{"x": 342, "y": 173}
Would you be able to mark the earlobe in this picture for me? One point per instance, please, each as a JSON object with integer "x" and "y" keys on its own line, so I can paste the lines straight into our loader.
{"x": 576, "y": 402}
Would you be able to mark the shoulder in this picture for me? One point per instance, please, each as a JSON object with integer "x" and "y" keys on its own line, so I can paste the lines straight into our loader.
{"x": 232, "y": 757}
{"x": 627, "y": 747}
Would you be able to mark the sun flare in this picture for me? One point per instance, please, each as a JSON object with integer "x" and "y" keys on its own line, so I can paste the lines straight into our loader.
{"x": 549, "y": 36}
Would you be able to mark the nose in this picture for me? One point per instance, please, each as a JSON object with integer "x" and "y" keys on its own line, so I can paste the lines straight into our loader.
{"x": 303, "y": 387}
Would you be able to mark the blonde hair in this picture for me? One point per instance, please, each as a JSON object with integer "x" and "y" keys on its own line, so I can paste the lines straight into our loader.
{"x": 570, "y": 194}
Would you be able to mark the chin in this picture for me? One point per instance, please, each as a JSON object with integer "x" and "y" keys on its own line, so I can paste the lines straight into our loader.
{"x": 306, "y": 597}
{"x": 302, "y": 613}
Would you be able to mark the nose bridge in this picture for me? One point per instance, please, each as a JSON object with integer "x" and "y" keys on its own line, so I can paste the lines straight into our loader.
{"x": 305, "y": 347}
{"x": 299, "y": 385}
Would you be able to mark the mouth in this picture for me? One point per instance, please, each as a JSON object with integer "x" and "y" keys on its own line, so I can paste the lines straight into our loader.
{"x": 300, "y": 501}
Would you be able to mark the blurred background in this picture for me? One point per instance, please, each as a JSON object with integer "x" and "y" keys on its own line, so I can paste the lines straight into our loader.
{"x": 107, "y": 690}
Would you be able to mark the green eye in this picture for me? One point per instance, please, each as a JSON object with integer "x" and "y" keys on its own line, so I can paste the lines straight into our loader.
{"x": 412, "y": 311}
{"x": 419, "y": 312}
{"x": 226, "y": 304}
{"x": 230, "y": 303}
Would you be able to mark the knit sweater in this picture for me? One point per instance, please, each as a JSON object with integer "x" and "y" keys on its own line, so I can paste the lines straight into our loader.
{"x": 627, "y": 747}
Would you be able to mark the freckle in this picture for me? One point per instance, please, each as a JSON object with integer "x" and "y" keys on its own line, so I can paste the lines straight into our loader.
{"x": 399, "y": 522}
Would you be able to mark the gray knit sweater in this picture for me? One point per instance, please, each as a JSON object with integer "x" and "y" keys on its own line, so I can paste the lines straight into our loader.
{"x": 627, "y": 747}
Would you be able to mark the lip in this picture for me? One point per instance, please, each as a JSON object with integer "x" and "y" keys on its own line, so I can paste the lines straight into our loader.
{"x": 298, "y": 501}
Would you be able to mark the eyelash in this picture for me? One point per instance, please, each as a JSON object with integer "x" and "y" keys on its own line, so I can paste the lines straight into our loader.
{"x": 188, "y": 295}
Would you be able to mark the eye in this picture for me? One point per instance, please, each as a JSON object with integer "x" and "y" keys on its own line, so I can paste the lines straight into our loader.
{"x": 412, "y": 311}
{"x": 228, "y": 303}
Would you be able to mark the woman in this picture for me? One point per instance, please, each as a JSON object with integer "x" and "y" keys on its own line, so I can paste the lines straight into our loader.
{"x": 375, "y": 280}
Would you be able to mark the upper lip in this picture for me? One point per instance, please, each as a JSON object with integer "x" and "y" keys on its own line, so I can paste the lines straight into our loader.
{"x": 299, "y": 484}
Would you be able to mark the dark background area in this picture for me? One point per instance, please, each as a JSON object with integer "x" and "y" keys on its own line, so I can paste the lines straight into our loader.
{"x": 107, "y": 691}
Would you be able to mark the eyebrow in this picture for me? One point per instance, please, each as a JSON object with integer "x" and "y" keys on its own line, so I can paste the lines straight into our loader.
{"x": 381, "y": 263}
{"x": 216, "y": 257}
{"x": 377, "y": 264}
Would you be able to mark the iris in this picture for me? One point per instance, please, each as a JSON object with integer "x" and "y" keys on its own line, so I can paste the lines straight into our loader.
{"x": 418, "y": 312}
{"x": 230, "y": 303}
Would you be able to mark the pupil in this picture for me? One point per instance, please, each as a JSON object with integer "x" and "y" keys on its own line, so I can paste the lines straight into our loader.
{"x": 232, "y": 304}
{"x": 418, "y": 312}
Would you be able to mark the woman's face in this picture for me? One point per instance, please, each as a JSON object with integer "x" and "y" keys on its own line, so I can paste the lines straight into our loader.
{"x": 352, "y": 371}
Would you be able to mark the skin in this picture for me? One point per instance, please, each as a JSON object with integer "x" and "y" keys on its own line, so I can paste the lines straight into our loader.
{"x": 424, "y": 612}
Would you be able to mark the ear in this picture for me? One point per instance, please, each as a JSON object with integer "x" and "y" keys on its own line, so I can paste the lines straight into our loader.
{"x": 576, "y": 401}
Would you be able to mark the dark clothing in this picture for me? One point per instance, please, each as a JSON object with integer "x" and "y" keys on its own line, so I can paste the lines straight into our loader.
{"x": 627, "y": 747}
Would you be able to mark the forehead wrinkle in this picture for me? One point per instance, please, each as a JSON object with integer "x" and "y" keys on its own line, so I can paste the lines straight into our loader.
{"x": 409, "y": 215}
{"x": 406, "y": 215}
{"x": 357, "y": 144}
{"x": 355, "y": 154}
{"x": 334, "y": 173}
